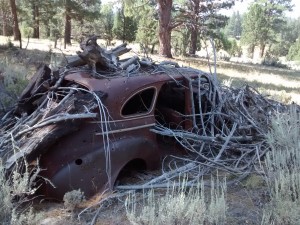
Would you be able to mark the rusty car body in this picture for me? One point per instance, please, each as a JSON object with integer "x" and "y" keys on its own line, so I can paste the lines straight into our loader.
{"x": 92, "y": 158}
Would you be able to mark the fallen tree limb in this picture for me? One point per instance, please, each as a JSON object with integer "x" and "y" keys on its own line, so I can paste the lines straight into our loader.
{"x": 59, "y": 118}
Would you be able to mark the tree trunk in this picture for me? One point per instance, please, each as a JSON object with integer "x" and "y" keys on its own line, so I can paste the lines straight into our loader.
{"x": 5, "y": 17}
{"x": 4, "y": 23}
{"x": 17, "y": 33}
{"x": 195, "y": 8}
{"x": 124, "y": 24}
{"x": 165, "y": 29}
{"x": 194, "y": 39}
{"x": 67, "y": 38}
{"x": 48, "y": 30}
{"x": 262, "y": 50}
{"x": 36, "y": 21}
{"x": 152, "y": 48}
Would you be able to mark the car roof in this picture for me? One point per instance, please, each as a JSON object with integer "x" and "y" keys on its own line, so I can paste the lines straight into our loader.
{"x": 140, "y": 80}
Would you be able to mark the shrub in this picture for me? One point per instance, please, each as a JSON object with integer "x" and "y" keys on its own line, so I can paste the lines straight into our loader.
{"x": 73, "y": 198}
{"x": 6, "y": 205}
{"x": 280, "y": 96}
{"x": 283, "y": 170}
{"x": 15, "y": 191}
{"x": 294, "y": 51}
{"x": 179, "y": 206}
{"x": 12, "y": 83}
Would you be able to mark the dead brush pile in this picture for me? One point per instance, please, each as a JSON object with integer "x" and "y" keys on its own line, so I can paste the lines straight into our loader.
{"x": 227, "y": 131}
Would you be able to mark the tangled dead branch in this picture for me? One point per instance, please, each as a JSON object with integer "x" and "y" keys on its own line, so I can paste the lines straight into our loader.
{"x": 225, "y": 129}
{"x": 228, "y": 133}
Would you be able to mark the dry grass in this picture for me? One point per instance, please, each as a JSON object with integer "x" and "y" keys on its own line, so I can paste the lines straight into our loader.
{"x": 12, "y": 84}
{"x": 179, "y": 205}
{"x": 274, "y": 80}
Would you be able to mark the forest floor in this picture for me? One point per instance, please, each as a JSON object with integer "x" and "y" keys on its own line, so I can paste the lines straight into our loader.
{"x": 245, "y": 199}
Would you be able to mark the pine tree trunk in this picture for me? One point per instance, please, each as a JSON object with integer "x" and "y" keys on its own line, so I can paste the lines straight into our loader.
{"x": 67, "y": 38}
{"x": 165, "y": 29}
{"x": 124, "y": 25}
{"x": 17, "y": 33}
{"x": 195, "y": 8}
{"x": 4, "y": 23}
{"x": 36, "y": 21}
{"x": 48, "y": 31}
{"x": 194, "y": 39}
{"x": 5, "y": 17}
{"x": 262, "y": 52}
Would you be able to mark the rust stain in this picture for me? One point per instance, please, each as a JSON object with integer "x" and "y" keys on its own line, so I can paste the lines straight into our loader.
{"x": 135, "y": 104}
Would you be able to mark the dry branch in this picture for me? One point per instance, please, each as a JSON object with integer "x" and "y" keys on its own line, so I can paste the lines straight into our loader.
{"x": 227, "y": 132}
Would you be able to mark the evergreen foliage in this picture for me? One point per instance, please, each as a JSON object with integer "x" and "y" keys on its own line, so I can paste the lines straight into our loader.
{"x": 124, "y": 27}
{"x": 143, "y": 21}
{"x": 106, "y": 23}
{"x": 286, "y": 38}
{"x": 263, "y": 21}
{"x": 294, "y": 51}
{"x": 234, "y": 26}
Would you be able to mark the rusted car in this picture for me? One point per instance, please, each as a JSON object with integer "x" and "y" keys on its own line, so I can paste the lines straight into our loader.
{"x": 92, "y": 158}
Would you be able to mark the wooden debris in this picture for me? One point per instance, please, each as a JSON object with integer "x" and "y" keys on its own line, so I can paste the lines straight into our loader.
{"x": 95, "y": 56}
{"x": 227, "y": 129}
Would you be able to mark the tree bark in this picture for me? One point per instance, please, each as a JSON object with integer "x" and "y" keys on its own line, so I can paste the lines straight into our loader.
{"x": 17, "y": 33}
{"x": 165, "y": 28}
{"x": 36, "y": 21}
{"x": 262, "y": 50}
{"x": 67, "y": 37}
{"x": 5, "y": 11}
{"x": 194, "y": 39}
{"x": 195, "y": 8}
{"x": 4, "y": 23}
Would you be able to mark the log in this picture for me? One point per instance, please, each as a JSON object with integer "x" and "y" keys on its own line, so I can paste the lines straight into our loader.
{"x": 40, "y": 141}
{"x": 130, "y": 61}
{"x": 99, "y": 58}
{"x": 119, "y": 50}
{"x": 74, "y": 61}
{"x": 94, "y": 55}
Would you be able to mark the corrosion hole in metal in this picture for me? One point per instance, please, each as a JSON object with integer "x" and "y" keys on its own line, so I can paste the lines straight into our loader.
{"x": 78, "y": 162}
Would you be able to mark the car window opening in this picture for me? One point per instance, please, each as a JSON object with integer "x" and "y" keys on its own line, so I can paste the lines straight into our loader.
{"x": 139, "y": 103}
{"x": 170, "y": 109}
{"x": 170, "y": 105}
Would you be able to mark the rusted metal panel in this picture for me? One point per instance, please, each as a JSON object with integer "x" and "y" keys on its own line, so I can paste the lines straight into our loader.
{"x": 79, "y": 160}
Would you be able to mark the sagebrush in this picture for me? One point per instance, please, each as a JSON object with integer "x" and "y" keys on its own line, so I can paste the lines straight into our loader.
{"x": 179, "y": 205}
{"x": 283, "y": 170}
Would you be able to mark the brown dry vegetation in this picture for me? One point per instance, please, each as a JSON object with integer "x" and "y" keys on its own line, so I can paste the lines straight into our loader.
{"x": 254, "y": 200}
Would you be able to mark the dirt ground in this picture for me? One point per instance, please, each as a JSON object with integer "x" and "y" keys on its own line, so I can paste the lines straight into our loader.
{"x": 245, "y": 203}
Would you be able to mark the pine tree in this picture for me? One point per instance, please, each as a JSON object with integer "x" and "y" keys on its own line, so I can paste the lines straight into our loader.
{"x": 147, "y": 28}
{"x": 203, "y": 19}
{"x": 294, "y": 51}
{"x": 17, "y": 33}
{"x": 34, "y": 14}
{"x": 263, "y": 21}
{"x": 5, "y": 18}
{"x": 106, "y": 22}
{"x": 79, "y": 10}
{"x": 124, "y": 26}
